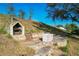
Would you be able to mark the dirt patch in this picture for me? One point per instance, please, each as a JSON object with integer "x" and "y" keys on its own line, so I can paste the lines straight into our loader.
{"x": 10, "y": 47}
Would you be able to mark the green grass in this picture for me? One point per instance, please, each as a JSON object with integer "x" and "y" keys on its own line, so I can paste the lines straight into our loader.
{"x": 64, "y": 49}
{"x": 2, "y": 31}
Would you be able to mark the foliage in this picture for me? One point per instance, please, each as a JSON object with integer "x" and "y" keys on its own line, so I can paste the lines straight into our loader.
{"x": 71, "y": 27}
{"x": 59, "y": 26}
{"x": 63, "y": 11}
{"x": 75, "y": 31}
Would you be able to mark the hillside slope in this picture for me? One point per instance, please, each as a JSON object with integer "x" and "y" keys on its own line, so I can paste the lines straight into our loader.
{"x": 8, "y": 46}
{"x": 30, "y": 25}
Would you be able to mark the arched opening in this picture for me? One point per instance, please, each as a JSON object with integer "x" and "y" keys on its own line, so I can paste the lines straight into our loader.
{"x": 17, "y": 29}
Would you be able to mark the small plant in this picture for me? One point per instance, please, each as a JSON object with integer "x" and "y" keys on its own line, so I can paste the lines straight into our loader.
{"x": 2, "y": 31}
{"x": 64, "y": 49}
{"x": 27, "y": 31}
{"x": 9, "y": 36}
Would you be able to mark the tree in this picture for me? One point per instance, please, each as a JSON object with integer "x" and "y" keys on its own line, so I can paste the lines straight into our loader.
{"x": 71, "y": 27}
{"x": 59, "y": 26}
{"x": 63, "y": 11}
{"x": 21, "y": 14}
{"x": 11, "y": 10}
{"x": 76, "y": 31}
{"x": 30, "y": 13}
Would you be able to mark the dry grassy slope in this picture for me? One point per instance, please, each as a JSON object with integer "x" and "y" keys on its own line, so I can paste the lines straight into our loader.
{"x": 8, "y": 46}
{"x": 30, "y": 26}
{"x": 33, "y": 26}
{"x": 4, "y": 20}
{"x": 73, "y": 47}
